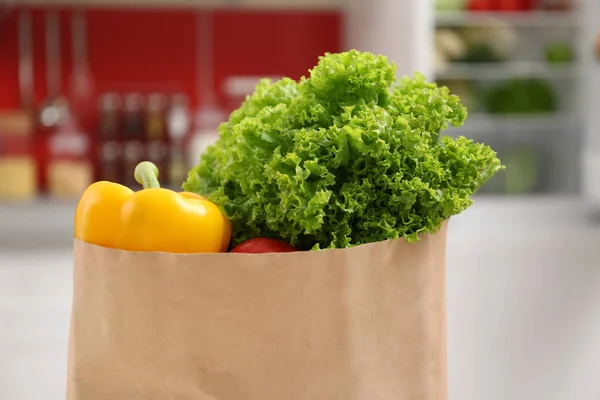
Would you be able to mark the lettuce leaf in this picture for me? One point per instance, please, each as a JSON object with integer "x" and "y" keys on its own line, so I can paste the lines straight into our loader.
{"x": 345, "y": 157}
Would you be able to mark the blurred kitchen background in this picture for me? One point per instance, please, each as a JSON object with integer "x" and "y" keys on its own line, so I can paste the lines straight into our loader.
{"x": 88, "y": 88}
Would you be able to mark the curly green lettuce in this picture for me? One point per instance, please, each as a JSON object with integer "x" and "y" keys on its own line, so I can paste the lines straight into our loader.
{"x": 345, "y": 157}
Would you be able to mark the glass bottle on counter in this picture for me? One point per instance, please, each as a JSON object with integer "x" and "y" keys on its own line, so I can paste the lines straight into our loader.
{"x": 133, "y": 117}
{"x": 108, "y": 123}
{"x": 18, "y": 167}
{"x": 179, "y": 122}
{"x": 155, "y": 116}
{"x": 110, "y": 161}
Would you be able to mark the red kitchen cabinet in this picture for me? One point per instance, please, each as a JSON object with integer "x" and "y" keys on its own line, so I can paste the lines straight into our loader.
{"x": 481, "y": 5}
{"x": 155, "y": 50}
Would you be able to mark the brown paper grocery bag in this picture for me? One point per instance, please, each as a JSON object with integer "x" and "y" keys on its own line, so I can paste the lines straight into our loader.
{"x": 363, "y": 323}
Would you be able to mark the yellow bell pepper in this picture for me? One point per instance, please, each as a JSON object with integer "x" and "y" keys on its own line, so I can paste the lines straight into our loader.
{"x": 152, "y": 219}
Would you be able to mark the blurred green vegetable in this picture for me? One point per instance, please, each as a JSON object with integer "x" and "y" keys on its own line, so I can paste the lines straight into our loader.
{"x": 340, "y": 159}
{"x": 558, "y": 53}
{"x": 520, "y": 96}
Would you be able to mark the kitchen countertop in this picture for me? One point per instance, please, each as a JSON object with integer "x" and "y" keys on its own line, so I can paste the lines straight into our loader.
{"x": 48, "y": 224}
{"x": 523, "y": 300}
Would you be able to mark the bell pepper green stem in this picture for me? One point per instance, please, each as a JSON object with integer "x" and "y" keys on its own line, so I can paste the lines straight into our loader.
{"x": 146, "y": 174}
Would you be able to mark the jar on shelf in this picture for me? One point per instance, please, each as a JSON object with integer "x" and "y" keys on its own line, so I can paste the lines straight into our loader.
{"x": 18, "y": 167}
{"x": 108, "y": 124}
{"x": 133, "y": 118}
{"x": 110, "y": 161}
{"x": 69, "y": 169}
{"x": 155, "y": 116}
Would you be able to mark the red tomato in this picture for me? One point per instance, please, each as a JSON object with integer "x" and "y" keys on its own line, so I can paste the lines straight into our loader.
{"x": 263, "y": 245}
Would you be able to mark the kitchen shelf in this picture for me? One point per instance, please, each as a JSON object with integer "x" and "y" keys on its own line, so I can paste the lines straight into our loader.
{"x": 486, "y": 124}
{"x": 506, "y": 70}
{"x": 534, "y": 19}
